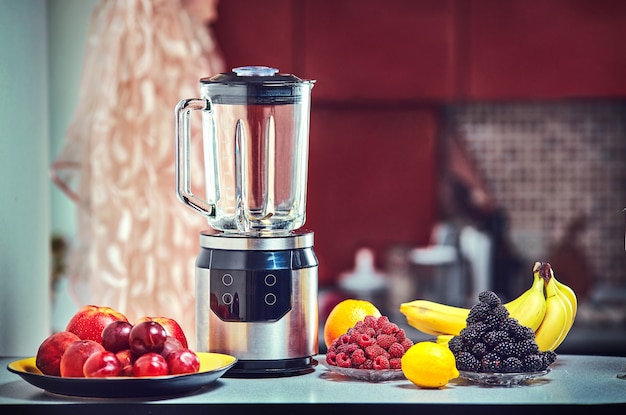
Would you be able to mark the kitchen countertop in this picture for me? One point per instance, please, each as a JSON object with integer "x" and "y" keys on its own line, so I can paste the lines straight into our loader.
{"x": 573, "y": 380}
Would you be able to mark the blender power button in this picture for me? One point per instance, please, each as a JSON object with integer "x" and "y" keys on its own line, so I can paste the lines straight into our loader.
{"x": 270, "y": 280}
{"x": 227, "y": 298}
{"x": 227, "y": 279}
{"x": 270, "y": 299}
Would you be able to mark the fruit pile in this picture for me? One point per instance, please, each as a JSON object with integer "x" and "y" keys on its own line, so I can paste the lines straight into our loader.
{"x": 494, "y": 342}
{"x": 548, "y": 307}
{"x": 373, "y": 343}
{"x": 101, "y": 342}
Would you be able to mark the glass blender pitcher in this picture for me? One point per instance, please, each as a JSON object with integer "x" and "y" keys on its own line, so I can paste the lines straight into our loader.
{"x": 256, "y": 278}
{"x": 255, "y": 130}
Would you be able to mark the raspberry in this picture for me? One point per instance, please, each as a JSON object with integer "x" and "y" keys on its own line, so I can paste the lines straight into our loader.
{"x": 358, "y": 357}
{"x": 343, "y": 339}
{"x": 390, "y": 328}
{"x": 406, "y": 344}
{"x": 382, "y": 321}
{"x": 381, "y": 363}
{"x": 343, "y": 360}
{"x": 364, "y": 340}
{"x": 368, "y": 364}
{"x": 347, "y": 348}
{"x": 396, "y": 350}
{"x": 331, "y": 358}
{"x": 374, "y": 351}
{"x": 400, "y": 335}
{"x": 385, "y": 340}
{"x": 395, "y": 363}
{"x": 359, "y": 326}
{"x": 370, "y": 321}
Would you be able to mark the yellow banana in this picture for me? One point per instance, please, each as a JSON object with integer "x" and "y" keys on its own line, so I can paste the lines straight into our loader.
{"x": 434, "y": 318}
{"x": 558, "y": 317}
{"x": 569, "y": 294}
{"x": 531, "y": 310}
{"x": 437, "y": 319}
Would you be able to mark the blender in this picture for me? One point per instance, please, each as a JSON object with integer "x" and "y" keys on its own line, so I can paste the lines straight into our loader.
{"x": 256, "y": 272}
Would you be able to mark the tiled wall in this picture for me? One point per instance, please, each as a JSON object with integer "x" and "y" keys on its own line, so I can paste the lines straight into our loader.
{"x": 548, "y": 163}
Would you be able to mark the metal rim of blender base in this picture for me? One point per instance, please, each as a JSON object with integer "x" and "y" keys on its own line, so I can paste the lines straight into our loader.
{"x": 297, "y": 239}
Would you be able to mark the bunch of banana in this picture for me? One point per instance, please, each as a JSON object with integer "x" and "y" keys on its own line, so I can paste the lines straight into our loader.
{"x": 532, "y": 308}
{"x": 561, "y": 307}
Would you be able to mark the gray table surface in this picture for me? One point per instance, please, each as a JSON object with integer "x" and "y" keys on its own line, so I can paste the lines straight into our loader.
{"x": 573, "y": 380}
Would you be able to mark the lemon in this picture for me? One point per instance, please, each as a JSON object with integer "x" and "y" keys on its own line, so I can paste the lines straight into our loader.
{"x": 429, "y": 364}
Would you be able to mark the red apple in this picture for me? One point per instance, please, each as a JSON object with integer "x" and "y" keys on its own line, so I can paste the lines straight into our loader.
{"x": 150, "y": 364}
{"x": 75, "y": 355}
{"x": 89, "y": 322}
{"x": 171, "y": 326}
{"x": 101, "y": 365}
{"x": 51, "y": 350}
{"x": 126, "y": 360}
{"x": 183, "y": 361}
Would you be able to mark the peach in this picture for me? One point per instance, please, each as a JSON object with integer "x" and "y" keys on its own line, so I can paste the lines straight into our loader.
{"x": 89, "y": 322}
{"x": 75, "y": 355}
{"x": 51, "y": 350}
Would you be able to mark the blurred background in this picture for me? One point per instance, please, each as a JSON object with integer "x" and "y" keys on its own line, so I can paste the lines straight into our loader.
{"x": 453, "y": 143}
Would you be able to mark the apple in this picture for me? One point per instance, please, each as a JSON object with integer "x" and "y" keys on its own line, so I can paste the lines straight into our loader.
{"x": 183, "y": 361}
{"x": 115, "y": 336}
{"x": 89, "y": 322}
{"x": 147, "y": 336}
{"x": 150, "y": 364}
{"x": 101, "y": 365}
{"x": 51, "y": 350}
{"x": 126, "y": 359}
{"x": 75, "y": 355}
{"x": 171, "y": 326}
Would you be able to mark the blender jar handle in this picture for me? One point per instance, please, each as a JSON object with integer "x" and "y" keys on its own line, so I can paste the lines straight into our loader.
{"x": 183, "y": 170}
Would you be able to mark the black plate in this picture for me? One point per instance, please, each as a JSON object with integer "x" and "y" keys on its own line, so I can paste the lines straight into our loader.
{"x": 212, "y": 366}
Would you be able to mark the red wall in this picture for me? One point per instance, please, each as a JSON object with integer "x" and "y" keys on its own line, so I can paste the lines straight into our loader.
{"x": 384, "y": 71}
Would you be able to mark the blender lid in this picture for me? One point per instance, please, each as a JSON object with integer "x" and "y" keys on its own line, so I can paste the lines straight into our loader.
{"x": 249, "y": 85}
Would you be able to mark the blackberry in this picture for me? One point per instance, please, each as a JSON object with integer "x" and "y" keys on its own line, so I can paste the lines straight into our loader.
{"x": 505, "y": 349}
{"x": 525, "y": 348}
{"x": 532, "y": 363}
{"x": 492, "y": 338}
{"x": 466, "y": 361}
{"x": 479, "y": 350}
{"x": 491, "y": 362}
{"x": 509, "y": 324}
{"x": 496, "y": 317}
{"x": 470, "y": 335}
{"x": 456, "y": 345}
{"x": 478, "y": 312}
{"x": 512, "y": 364}
{"x": 520, "y": 332}
{"x": 490, "y": 298}
{"x": 549, "y": 357}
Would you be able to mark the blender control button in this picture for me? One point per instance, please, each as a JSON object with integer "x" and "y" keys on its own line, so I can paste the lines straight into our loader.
{"x": 270, "y": 299}
{"x": 227, "y": 279}
{"x": 270, "y": 279}
{"x": 227, "y": 298}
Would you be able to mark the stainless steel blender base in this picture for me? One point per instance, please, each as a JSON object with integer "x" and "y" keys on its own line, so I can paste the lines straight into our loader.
{"x": 256, "y": 299}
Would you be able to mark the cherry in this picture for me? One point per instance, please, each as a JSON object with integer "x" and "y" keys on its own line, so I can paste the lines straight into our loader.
{"x": 102, "y": 364}
{"x": 171, "y": 344}
{"x": 150, "y": 364}
{"x": 147, "y": 337}
{"x": 183, "y": 361}
{"x": 115, "y": 336}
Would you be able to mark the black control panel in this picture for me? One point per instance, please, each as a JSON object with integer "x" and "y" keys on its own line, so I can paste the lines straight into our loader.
{"x": 250, "y": 296}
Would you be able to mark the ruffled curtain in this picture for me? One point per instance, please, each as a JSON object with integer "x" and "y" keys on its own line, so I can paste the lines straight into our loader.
{"x": 136, "y": 244}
